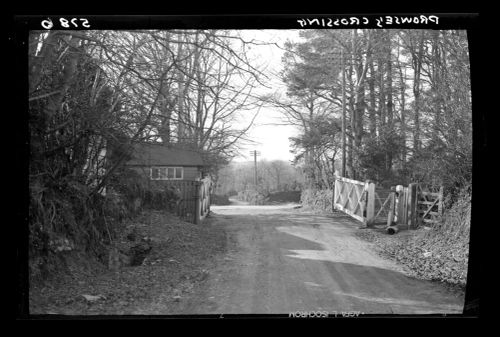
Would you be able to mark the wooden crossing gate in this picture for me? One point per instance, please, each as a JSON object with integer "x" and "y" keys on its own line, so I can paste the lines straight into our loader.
{"x": 430, "y": 203}
{"x": 408, "y": 206}
{"x": 382, "y": 205}
{"x": 350, "y": 197}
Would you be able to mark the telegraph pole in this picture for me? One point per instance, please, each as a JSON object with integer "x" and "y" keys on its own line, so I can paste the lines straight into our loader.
{"x": 255, "y": 154}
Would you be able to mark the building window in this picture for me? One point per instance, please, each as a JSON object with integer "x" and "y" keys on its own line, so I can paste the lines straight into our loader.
{"x": 167, "y": 173}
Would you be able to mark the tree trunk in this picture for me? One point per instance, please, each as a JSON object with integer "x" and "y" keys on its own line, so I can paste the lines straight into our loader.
{"x": 360, "y": 107}
{"x": 402, "y": 91}
{"x": 343, "y": 173}
{"x": 350, "y": 143}
{"x": 181, "y": 134}
{"x": 417, "y": 66}
{"x": 166, "y": 105}
{"x": 372, "y": 109}
{"x": 381, "y": 97}
{"x": 390, "y": 126}
{"x": 437, "y": 89}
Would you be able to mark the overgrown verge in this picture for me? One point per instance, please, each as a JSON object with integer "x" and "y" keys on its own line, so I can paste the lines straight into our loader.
{"x": 318, "y": 200}
{"x": 439, "y": 253}
{"x": 181, "y": 254}
{"x": 66, "y": 217}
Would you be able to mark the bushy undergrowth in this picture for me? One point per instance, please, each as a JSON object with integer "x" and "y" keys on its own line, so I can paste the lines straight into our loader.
{"x": 220, "y": 200}
{"x": 65, "y": 216}
{"x": 139, "y": 192}
{"x": 317, "y": 200}
{"x": 447, "y": 244}
{"x": 440, "y": 253}
{"x": 253, "y": 197}
{"x": 456, "y": 221}
{"x": 269, "y": 198}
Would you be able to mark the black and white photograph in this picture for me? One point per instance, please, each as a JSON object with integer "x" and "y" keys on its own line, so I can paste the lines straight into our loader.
{"x": 297, "y": 166}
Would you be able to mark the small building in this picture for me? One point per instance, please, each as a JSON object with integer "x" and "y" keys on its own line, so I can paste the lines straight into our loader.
{"x": 166, "y": 162}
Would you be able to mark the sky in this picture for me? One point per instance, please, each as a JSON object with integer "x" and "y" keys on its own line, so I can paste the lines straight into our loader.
{"x": 271, "y": 140}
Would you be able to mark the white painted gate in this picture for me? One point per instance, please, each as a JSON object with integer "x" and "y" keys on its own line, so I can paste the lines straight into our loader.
{"x": 351, "y": 197}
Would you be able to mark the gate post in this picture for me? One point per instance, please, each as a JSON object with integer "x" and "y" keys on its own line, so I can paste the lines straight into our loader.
{"x": 412, "y": 211}
{"x": 400, "y": 216}
{"x": 392, "y": 206}
{"x": 440, "y": 202}
{"x": 405, "y": 205}
{"x": 370, "y": 203}
{"x": 335, "y": 193}
{"x": 197, "y": 205}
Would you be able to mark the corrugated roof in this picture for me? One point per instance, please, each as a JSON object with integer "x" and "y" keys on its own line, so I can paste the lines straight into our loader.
{"x": 149, "y": 154}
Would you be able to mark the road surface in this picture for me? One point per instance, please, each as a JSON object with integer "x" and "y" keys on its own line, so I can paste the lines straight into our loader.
{"x": 281, "y": 260}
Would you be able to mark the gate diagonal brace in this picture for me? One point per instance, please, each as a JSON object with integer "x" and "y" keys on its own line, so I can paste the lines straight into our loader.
{"x": 341, "y": 194}
{"x": 383, "y": 206}
{"x": 348, "y": 199}
{"x": 430, "y": 208}
{"x": 359, "y": 205}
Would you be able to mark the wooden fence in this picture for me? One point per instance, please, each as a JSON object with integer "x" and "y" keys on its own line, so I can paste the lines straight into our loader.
{"x": 194, "y": 203}
{"x": 407, "y": 206}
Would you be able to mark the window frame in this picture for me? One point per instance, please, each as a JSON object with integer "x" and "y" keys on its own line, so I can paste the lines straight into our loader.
{"x": 165, "y": 176}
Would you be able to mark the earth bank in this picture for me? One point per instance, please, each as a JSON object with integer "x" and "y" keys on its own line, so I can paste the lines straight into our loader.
{"x": 177, "y": 262}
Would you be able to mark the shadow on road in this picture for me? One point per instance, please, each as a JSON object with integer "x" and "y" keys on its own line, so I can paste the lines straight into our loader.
{"x": 283, "y": 260}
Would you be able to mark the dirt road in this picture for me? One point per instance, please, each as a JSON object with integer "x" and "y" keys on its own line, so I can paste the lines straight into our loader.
{"x": 282, "y": 260}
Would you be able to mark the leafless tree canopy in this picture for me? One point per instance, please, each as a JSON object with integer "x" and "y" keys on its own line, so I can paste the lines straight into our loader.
{"x": 89, "y": 88}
